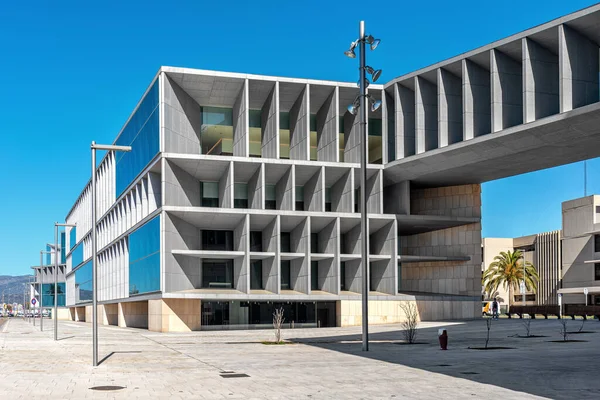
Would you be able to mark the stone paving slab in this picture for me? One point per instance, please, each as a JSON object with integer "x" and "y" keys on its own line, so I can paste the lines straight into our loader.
{"x": 319, "y": 364}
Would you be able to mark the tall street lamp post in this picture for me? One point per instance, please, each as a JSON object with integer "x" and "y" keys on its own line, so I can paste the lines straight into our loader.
{"x": 95, "y": 147}
{"x": 359, "y": 105}
{"x": 56, "y": 255}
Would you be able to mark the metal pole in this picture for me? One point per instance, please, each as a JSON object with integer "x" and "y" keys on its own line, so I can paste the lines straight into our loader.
{"x": 41, "y": 295}
{"x": 524, "y": 277}
{"x": 363, "y": 191}
{"x": 94, "y": 281}
{"x": 54, "y": 313}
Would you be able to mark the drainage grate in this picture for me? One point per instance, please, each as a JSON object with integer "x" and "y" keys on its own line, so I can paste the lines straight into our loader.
{"x": 107, "y": 388}
{"x": 470, "y": 373}
{"x": 235, "y": 376}
{"x": 444, "y": 365}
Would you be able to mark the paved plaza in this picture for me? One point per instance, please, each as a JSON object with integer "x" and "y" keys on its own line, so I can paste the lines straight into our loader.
{"x": 321, "y": 364}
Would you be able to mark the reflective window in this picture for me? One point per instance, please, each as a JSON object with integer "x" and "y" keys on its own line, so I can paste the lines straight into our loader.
{"x": 217, "y": 130}
{"x": 342, "y": 143}
{"x": 343, "y": 275}
{"x": 299, "y": 198}
{"x": 375, "y": 144}
{"x": 314, "y": 275}
{"x": 83, "y": 283}
{"x": 77, "y": 255}
{"x": 313, "y": 137}
{"x": 256, "y": 241}
{"x": 314, "y": 243}
{"x": 240, "y": 195}
{"x": 48, "y": 255}
{"x": 256, "y": 282}
{"x": 285, "y": 242}
{"x": 217, "y": 240}
{"x": 391, "y": 137}
{"x": 63, "y": 249}
{"x": 255, "y": 132}
{"x": 217, "y": 274}
{"x": 270, "y": 199}
{"x": 209, "y": 193}
{"x": 285, "y": 275}
{"x": 284, "y": 135}
{"x": 48, "y": 294}
{"x": 144, "y": 258}
{"x": 327, "y": 199}
{"x": 72, "y": 237}
{"x": 142, "y": 134}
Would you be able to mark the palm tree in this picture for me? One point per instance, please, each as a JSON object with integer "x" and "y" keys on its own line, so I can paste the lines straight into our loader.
{"x": 507, "y": 270}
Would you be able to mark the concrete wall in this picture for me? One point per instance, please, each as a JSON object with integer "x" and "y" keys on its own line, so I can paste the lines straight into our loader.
{"x": 174, "y": 315}
{"x": 506, "y": 91}
{"x": 299, "y": 127}
{"x": 404, "y": 99}
{"x": 270, "y": 125}
{"x": 133, "y": 314}
{"x": 241, "y": 120}
{"x": 476, "y": 100}
{"x": 181, "y": 121}
{"x": 426, "y": 115}
{"x": 328, "y": 128}
{"x": 450, "y": 108}
{"x": 540, "y": 81}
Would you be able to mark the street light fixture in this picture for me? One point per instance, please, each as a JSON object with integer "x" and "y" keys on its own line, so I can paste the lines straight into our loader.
{"x": 359, "y": 104}
{"x": 56, "y": 255}
{"x": 95, "y": 147}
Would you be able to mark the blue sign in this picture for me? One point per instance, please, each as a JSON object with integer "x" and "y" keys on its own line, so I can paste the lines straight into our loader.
{"x": 33, "y": 301}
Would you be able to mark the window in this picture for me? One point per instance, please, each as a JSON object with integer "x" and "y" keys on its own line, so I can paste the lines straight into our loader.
{"x": 141, "y": 133}
{"x": 256, "y": 241}
{"x": 597, "y": 243}
{"x": 372, "y": 285}
{"x": 299, "y": 198}
{"x": 399, "y": 276}
{"x": 209, "y": 193}
{"x": 83, "y": 283}
{"x": 72, "y": 237}
{"x": 270, "y": 199}
{"x": 62, "y": 248}
{"x": 48, "y": 294}
{"x": 375, "y": 141}
{"x": 314, "y": 243}
{"x": 327, "y": 199}
{"x": 255, "y": 117}
{"x": 256, "y": 282}
{"x": 342, "y": 145}
{"x": 357, "y": 200}
{"x": 77, "y": 255}
{"x": 314, "y": 275}
{"x": 313, "y": 137}
{"x": 597, "y": 272}
{"x": 217, "y": 240}
{"x": 284, "y": 135}
{"x": 343, "y": 248}
{"x": 144, "y": 258}
{"x": 285, "y": 275}
{"x": 217, "y": 274}
{"x": 240, "y": 195}
{"x": 217, "y": 130}
{"x": 343, "y": 275}
{"x": 391, "y": 145}
{"x": 285, "y": 242}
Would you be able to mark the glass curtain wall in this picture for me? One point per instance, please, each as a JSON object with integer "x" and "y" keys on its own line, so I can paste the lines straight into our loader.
{"x": 217, "y": 240}
{"x": 299, "y": 198}
{"x": 209, "y": 194}
{"x": 240, "y": 195}
{"x": 284, "y": 135}
{"x": 285, "y": 275}
{"x": 313, "y": 137}
{"x": 217, "y": 274}
{"x": 270, "y": 199}
{"x": 48, "y": 294}
{"x": 314, "y": 275}
{"x": 216, "y": 130}
{"x": 342, "y": 134}
{"x": 375, "y": 145}
{"x": 144, "y": 258}
{"x": 256, "y": 282}
{"x": 83, "y": 283}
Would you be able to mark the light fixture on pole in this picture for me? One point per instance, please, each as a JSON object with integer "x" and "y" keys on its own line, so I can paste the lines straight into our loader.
{"x": 95, "y": 147}
{"x": 56, "y": 255}
{"x": 359, "y": 104}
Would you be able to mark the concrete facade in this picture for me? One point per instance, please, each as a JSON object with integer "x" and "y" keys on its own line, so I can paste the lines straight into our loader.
{"x": 280, "y": 158}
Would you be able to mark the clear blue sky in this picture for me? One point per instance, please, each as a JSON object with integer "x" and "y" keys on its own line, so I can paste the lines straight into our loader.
{"x": 72, "y": 72}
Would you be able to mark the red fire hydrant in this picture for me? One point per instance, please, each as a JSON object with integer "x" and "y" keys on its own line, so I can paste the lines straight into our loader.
{"x": 443, "y": 337}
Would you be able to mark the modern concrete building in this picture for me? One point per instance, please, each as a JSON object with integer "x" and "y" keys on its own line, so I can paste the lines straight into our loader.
{"x": 581, "y": 251}
{"x": 241, "y": 192}
{"x": 543, "y": 250}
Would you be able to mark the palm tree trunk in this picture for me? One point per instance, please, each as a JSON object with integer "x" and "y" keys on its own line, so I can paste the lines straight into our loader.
{"x": 511, "y": 297}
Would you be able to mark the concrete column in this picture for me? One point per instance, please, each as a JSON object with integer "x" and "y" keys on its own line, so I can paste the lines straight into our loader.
{"x": 507, "y": 91}
{"x": 328, "y": 129}
{"x": 299, "y": 127}
{"x": 450, "y": 118}
{"x": 241, "y": 123}
{"x": 426, "y": 115}
{"x": 174, "y": 315}
{"x": 578, "y": 69}
{"x": 540, "y": 81}
{"x": 404, "y": 100}
{"x": 270, "y": 125}
{"x": 476, "y": 100}
{"x": 241, "y": 266}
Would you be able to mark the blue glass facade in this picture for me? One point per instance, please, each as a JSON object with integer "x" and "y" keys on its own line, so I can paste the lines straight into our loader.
{"x": 77, "y": 255}
{"x": 142, "y": 134}
{"x": 48, "y": 294}
{"x": 62, "y": 244}
{"x": 48, "y": 255}
{"x": 73, "y": 237}
{"x": 144, "y": 258}
{"x": 83, "y": 283}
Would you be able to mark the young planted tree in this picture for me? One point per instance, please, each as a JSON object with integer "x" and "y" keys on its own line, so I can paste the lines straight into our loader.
{"x": 526, "y": 322}
{"x": 411, "y": 321}
{"x": 564, "y": 332}
{"x": 507, "y": 270}
{"x": 278, "y": 323}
